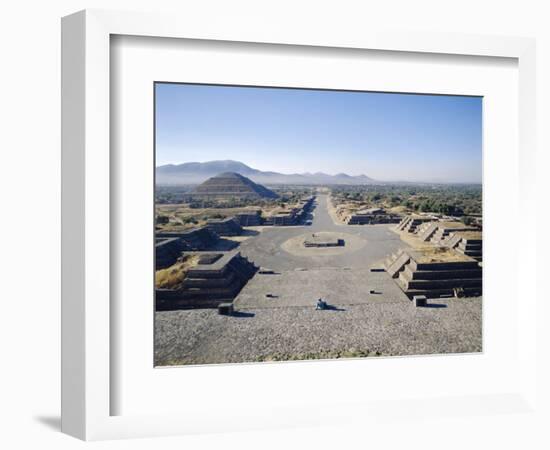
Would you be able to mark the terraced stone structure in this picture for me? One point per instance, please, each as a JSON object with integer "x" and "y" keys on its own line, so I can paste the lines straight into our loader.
{"x": 438, "y": 232}
{"x": 230, "y": 186}
{"x": 282, "y": 218}
{"x": 170, "y": 245}
{"x": 371, "y": 216}
{"x": 225, "y": 227}
{"x": 217, "y": 278}
{"x": 249, "y": 219}
{"x": 168, "y": 250}
{"x": 435, "y": 272}
{"x": 292, "y": 216}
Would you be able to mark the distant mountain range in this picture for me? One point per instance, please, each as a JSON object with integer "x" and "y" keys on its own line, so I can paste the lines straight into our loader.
{"x": 196, "y": 172}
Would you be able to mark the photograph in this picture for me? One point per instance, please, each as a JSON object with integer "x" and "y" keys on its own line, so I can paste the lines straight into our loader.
{"x": 297, "y": 224}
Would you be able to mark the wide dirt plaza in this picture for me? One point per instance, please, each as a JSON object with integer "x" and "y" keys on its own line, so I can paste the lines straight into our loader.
{"x": 276, "y": 319}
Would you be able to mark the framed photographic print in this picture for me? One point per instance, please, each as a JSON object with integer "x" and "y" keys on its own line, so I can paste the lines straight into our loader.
{"x": 323, "y": 265}
{"x": 259, "y": 226}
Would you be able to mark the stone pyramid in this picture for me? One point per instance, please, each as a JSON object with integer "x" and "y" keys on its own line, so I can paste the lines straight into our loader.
{"x": 231, "y": 185}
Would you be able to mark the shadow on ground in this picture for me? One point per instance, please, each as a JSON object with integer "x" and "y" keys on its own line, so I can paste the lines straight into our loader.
{"x": 331, "y": 308}
{"x": 51, "y": 422}
{"x": 242, "y": 314}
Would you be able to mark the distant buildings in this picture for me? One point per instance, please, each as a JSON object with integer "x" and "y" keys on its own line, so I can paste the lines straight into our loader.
{"x": 291, "y": 216}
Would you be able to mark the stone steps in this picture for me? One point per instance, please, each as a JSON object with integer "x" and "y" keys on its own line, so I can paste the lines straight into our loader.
{"x": 397, "y": 263}
{"x": 209, "y": 282}
{"x": 454, "y": 265}
{"x": 404, "y": 222}
{"x": 465, "y": 246}
{"x": 454, "y": 240}
{"x": 428, "y": 232}
{"x": 447, "y": 292}
{"x": 412, "y": 224}
{"x": 441, "y": 274}
{"x": 439, "y": 284}
{"x": 471, "y": 253}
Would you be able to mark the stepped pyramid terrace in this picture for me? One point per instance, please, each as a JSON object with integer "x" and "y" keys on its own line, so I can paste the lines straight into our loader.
{"x": 249, "y": 219}
{"x": 205, "y": 281}
{"x": 170, "y": 245}
{"x": 469, "y": 243}
{"x": 438, "y": 232}
{"x": 224, "y": 227}
{"x": 411, "y": 223}
{"x": 435, "y": 272}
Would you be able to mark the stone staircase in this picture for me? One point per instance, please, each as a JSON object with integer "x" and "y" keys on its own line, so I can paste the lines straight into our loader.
{"x": 440, "y": 236}
{"x": 224, "y": 227}
{"x": 395, "y": 263}
{"x": 427, "y": 230}
{"x": 410, "y": 224}
{"x": 467, "y": 243}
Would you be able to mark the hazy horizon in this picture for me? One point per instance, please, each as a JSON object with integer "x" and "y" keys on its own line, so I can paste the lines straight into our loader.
{"x": 388, "y": 137}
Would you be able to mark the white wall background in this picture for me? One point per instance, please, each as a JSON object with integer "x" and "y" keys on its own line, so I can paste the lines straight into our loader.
{"x": 30, "y": 187}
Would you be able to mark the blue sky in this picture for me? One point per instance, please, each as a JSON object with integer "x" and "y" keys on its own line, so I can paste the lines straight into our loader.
{"x": 390, "y": 137}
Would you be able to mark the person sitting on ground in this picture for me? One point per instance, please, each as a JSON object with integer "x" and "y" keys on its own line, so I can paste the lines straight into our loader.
{"x": 321, "y": 304}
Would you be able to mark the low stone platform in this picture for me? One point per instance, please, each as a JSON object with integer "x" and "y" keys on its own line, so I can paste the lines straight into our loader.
{"x": 168, "y": 250}
{"x": 323, "y": 240}
{"x": 225, "y": 227}
{"x": 249, "y": 219}
{"x": 170, "y": 245}
{"x": 324, "y": 243}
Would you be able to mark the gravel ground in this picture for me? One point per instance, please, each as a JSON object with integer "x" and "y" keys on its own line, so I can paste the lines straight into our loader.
{"x": 336, "y": 286}
{"x": 203, "y": 337}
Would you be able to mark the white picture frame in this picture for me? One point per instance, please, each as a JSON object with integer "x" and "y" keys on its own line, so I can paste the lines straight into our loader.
{"x": 86, "y": 248}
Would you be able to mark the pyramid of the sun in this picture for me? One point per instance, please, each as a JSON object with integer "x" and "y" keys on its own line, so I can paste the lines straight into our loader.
{"x": 231, "y": 185}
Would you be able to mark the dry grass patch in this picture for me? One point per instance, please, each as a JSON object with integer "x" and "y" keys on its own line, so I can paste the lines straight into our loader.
{"x": 451, "y": 225}
{"x": 440, "y": 254}
{"x": 172, "y": 277}
{"x": 470, "y": 234}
